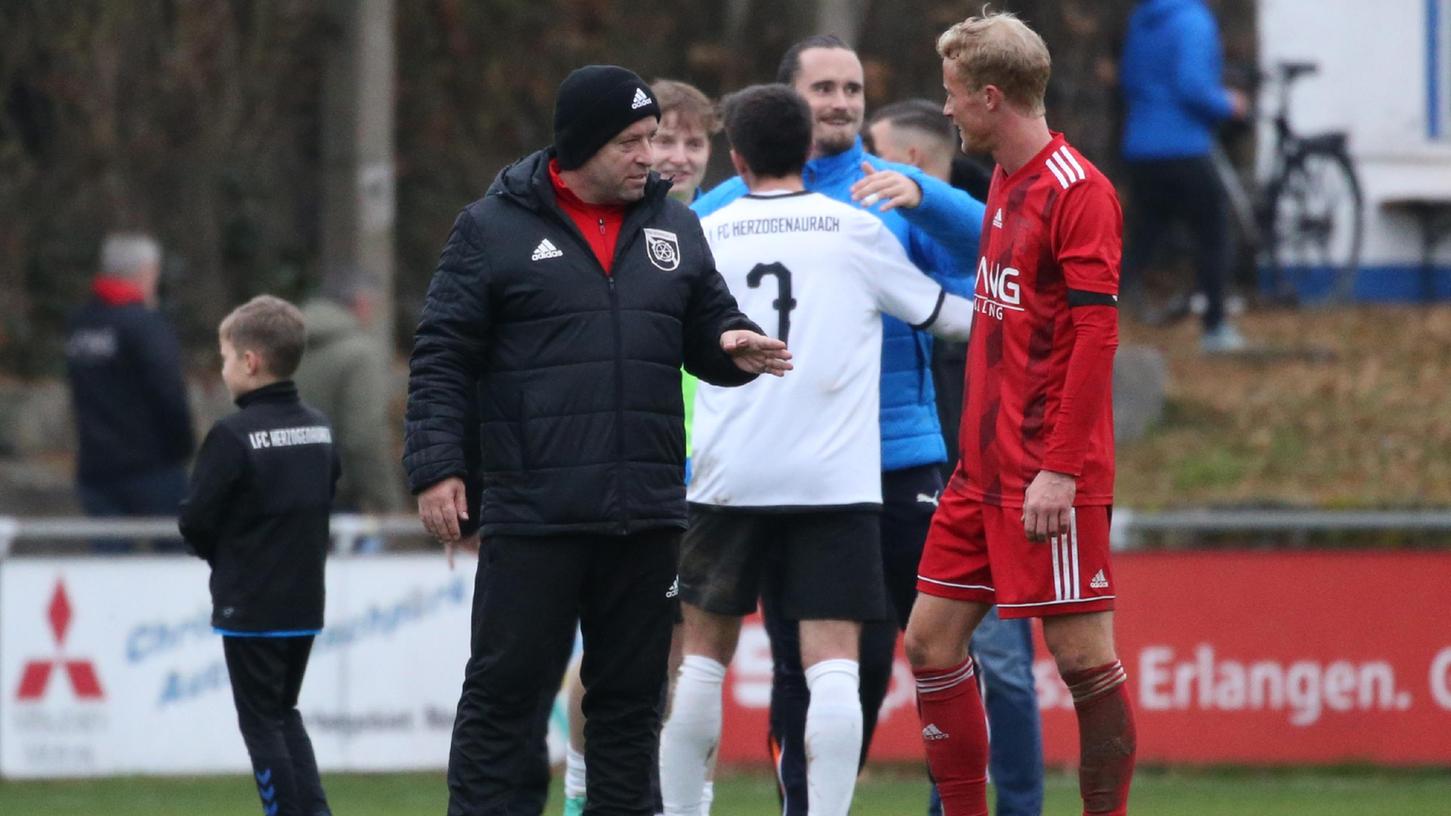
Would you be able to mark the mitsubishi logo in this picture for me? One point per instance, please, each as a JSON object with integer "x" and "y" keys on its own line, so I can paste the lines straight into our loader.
{"x": 82, "y": 674}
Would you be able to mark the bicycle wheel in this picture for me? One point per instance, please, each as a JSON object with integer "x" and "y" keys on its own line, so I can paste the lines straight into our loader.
{"x": 1316, "y": 215}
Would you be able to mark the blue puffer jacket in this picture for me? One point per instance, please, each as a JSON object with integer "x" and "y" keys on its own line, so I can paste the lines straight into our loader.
{"x": 940, "y": 236}
{"x": 1171, "y": 82}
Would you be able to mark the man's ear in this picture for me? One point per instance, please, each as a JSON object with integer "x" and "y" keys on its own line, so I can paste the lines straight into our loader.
{"x": 739, "y": 164}
{"x": 251, "y": 362}
{"x": 993, "y": 97}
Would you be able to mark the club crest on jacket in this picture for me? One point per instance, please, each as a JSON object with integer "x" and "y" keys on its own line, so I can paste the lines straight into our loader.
{"x": 663, "y": 249}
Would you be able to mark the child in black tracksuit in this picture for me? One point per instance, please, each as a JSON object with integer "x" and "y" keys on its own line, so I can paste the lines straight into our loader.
{"x": 257, "y": 511}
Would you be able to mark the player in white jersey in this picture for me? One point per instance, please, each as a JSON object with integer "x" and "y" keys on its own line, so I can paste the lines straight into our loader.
{"x": 786, "y": 485}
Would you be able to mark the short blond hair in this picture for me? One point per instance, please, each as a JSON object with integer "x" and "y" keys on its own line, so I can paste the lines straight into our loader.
{"x": 999, "y": 49}
{"x": 271, "y": 328}
{"x": 688, "y": 102}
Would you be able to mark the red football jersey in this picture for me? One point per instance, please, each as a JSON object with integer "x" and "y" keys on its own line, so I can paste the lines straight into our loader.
{"x": 1047, "y": 278}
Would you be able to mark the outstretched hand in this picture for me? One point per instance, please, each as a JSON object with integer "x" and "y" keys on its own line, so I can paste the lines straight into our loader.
{"x": 888, "y": 187}
{"x": 756, "y": 353}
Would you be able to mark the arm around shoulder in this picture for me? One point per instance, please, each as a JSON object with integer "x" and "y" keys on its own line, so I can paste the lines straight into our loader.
{"x": 950, "y": 218}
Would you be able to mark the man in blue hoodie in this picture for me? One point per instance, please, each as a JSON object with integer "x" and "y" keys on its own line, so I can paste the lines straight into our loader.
{"x": 938, "y": 225}
{"x": 1170, "y": 79}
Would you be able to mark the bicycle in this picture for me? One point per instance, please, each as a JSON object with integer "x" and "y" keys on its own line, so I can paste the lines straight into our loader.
{"x": 1307, "y": 224}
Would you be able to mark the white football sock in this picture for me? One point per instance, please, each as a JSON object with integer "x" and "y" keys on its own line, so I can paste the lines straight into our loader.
{"x": 707, "y": 795}
{"x": 833, "y": 736}
{"x": 573, "y": 772}
{"x": 692, "y": 734}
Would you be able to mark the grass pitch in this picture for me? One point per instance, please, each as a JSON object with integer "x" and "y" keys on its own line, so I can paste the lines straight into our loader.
{"x": 888, "y": 792}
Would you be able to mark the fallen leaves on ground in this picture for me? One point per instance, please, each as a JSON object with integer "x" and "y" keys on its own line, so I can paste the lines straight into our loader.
{"x": 1330, "y": 408}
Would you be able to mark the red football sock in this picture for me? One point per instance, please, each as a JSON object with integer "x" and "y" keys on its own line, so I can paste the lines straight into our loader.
{"x": 954, "y": 730}
{"x": 1105, "y": 738}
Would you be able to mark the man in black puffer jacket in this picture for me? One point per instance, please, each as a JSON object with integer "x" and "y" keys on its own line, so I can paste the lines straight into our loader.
{"x": 563, "y": 307}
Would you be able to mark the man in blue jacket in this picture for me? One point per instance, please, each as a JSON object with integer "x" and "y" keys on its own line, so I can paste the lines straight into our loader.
{"x": 938, "y": 226}
{"x": 1174, "y": 100}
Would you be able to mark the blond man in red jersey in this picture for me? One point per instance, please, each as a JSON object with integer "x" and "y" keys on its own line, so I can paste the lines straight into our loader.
{"x": 1024, "y": 521}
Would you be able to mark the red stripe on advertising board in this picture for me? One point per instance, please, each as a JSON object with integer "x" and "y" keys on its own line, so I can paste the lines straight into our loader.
{"x": 83, "y": 679}
{"x": 33, "y": 680}
{"x": 1232, "y": 657}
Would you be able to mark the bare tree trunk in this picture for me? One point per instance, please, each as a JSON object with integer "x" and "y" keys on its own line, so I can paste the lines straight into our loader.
{"x": 841, "y": 17}
{"x": 358, "y": 188}
{"x": 737, "y": 13}
{"x": 736, "y": 34}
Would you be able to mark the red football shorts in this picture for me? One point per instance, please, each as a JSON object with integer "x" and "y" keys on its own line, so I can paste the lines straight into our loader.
{"x": 980, "y": 552}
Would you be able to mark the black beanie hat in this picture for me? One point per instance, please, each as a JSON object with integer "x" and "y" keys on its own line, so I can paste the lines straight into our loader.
{"x": 593, "y": 105}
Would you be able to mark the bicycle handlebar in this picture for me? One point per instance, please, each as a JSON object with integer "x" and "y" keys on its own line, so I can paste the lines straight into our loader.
{"x": 1289, "y": 71}
{"x": 1251, "y": 78}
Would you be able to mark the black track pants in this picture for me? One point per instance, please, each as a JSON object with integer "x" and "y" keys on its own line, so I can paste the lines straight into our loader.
{"x": 528, "y": 595}
{"x": 266, "y": 675}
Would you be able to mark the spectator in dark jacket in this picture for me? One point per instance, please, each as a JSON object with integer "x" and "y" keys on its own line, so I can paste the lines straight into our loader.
{"x": 563, "y": 307}
{"x": 127, "y": 393}
{"x": 1174, "y": 100}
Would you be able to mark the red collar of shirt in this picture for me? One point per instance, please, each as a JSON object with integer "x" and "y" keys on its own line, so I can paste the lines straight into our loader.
{"x": 117, "y": 292}
{"x": 598, "y": 223}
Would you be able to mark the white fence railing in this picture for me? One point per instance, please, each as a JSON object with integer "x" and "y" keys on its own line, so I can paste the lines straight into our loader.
{"x": 349, "y": 531}
{"x": 1130, "y": 528}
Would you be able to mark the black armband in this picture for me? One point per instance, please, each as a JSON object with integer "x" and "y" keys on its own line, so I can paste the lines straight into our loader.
{"x": 1079, "y": 297}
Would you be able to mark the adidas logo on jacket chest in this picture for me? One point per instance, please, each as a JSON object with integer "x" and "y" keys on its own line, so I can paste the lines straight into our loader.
{"x": 662, "y": 249}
